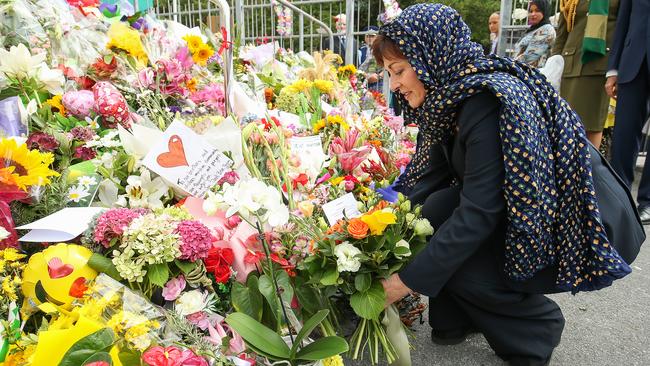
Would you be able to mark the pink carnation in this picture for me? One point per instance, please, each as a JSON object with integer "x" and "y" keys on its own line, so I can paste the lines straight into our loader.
{"x": 79, "y": 103}
{"x": 112, "y": 223}
{"x": 196, "y": 240}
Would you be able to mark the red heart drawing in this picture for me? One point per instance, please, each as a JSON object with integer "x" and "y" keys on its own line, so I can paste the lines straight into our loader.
{"x": 175, "y": 156}
{"x": 57, "y": 269}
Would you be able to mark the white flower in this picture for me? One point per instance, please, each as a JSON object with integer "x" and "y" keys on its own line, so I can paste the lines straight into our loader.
{"x": 213, "y": 203}
{"x": 4, "y": 234}
{"x": 27, "y": 111}
{"x": 19, "y": 63}
{"x": 52, "y": 79}
{"x": 249, "y": 198}
{"x": 77, "y": 193}
{"x": 144, "y": 192}
{"x": 191, "y": 302}
{"x": 87, "y": 181}
{"x": 3, "y": 81}
{"x": 346, "y": 257}
{"x": 422, "y": 227}
{"x": 402, "y": 244}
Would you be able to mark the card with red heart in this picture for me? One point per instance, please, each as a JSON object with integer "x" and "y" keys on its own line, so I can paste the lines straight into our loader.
{"x": 187, "y": 160}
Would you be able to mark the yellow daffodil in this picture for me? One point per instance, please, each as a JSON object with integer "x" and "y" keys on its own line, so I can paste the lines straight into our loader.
{"x": 379, "y": 220}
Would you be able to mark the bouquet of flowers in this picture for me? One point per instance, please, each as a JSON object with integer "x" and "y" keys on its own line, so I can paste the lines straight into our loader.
{"x": 355, "y": 254}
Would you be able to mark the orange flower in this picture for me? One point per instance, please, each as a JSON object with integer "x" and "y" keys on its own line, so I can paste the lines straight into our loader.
{"x": 375, "y": 143}
{"x": 268, "y": 94}
{"x": 379, "y": 206}
{"x": 357, "y": 228}
{"x": 336, "y": 228}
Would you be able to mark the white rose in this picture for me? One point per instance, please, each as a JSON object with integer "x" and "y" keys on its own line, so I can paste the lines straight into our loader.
{"x": 422, "y": 227}
{"x": 346, "y": 257}
{"x": 190, "y": 302}
{"x": 403, "y": 244}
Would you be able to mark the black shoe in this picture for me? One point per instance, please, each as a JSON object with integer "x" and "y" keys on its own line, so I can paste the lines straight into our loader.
{"x": 644, "y": 214}
{"x": 450, "y": 337}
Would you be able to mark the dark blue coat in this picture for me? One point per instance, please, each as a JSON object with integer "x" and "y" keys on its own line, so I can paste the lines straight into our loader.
{"x": 632, "y": 40}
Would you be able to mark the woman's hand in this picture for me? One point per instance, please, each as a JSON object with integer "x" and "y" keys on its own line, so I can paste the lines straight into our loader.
{"x": 373, "y": 78}
{"x": 395, "y": 289}
{"x": 611, "y": 86}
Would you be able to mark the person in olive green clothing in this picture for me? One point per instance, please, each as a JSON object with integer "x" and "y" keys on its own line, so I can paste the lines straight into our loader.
{"x": 583, "y": 80}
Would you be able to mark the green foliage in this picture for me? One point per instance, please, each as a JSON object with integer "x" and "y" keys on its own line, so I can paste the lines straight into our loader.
{"x": 474, "y": 12}
{"x": 93, "y": 347}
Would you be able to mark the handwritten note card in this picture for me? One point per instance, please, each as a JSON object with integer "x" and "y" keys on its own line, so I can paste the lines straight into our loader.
{"x": 342, "y": 207}
{"x": 187, "y": 160}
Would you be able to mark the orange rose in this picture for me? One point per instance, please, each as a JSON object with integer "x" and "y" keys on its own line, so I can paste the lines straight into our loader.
{"x": 357, "y": 228}
{"x": 379, "y": 206}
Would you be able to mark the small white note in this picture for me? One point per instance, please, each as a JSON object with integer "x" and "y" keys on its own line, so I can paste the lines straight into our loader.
{"x": 342, "y": 207}
{"x": 60, "y": 226}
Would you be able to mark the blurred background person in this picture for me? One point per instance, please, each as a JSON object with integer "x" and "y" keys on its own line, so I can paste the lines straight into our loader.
{"x": 584, "y": 36}
{"x": 340, "y": 41}
{"x": 366, "y": 50}
{"x": 535, "y": 46}
{"x": 493, "y": 25}
{"x": 374, "y": 73}
{"x": 628, "y": 80}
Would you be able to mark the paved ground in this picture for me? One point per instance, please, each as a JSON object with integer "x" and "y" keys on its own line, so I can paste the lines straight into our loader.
{"x": 607, "y": 327}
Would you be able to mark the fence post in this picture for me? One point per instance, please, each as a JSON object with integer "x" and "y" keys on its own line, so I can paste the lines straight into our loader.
{"x": 349, "y": 32}
{"x": 239, "y": 19}
{"x": 505, "y": 18}
{"x": 301, "y": 32}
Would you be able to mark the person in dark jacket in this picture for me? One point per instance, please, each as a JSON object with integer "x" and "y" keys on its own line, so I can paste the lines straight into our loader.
{"x": 502, "y": 168}
{"x": 628, "y": 80}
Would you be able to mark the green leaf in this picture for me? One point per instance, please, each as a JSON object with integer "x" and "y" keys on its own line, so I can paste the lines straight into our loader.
{"x": 362, "y": 282}
{"x": 330, "y": 277}
{"x": 307, "y": 328}
{"x": 158, "y": 274}
{"x": 99, "y": 341}
{"x": 369, "y": 304}
{"x": 259, "y": 336}
{"x": 102, "y": 264}
{"x": 100, "y": 356}
{"x": 247, "y": 298}
{"x": 268, "y": 291}
{"x": 284, "y": 284}
{"x": 185, "y": 266}
{"x": 308, "y": 297}
{"x": 323, "y": 348}
{"x": 129, "y": 358}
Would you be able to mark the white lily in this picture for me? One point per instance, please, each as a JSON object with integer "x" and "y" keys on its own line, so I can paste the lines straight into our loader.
{"x": 52, "y": 79}
{"x": 142, "y": 191}
{"x": 18, "y": 62}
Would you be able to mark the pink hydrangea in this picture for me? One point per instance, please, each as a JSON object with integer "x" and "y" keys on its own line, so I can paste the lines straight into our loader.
{"x": 112, "y": 223}
{"x": 196, "y": 240}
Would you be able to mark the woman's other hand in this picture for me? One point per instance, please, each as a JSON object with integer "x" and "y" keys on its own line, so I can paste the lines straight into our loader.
{"x": 395, "y": 289}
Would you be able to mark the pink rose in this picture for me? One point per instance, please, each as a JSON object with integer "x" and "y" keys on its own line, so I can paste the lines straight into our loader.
{"x": 173, "y": 288}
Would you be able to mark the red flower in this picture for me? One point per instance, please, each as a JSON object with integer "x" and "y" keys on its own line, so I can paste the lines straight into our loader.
{"x": 78, "y": 288}
{"x": 98, "y": 363}
{"x": 218, "y": 263}
{"x": 42, "y": 141}
{"x": 288, "y": 267}
{"x": 268, "y": 125}
{"x": 103, "y": 69}
{"x": 301, "y": 179}
{"x": 253, "y": 257}
{"x": 163, "y": 356}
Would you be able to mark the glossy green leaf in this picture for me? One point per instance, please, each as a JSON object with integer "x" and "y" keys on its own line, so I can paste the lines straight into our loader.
{"x": 259, "y": 336}
{"x": 362, "y": 282}
{"x": 323, "y": 348}
{"x": 330, "y": 277}
{"x": 158, "y": 274}
{"x": 99, "y": 341}
{"x": 99, "y": 356}
{"x": 247, "y": 298}
{"x": 307, "y": 328}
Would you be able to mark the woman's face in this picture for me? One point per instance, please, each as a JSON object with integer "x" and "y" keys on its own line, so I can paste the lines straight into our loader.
{"x": 404, "y": 80}
{"x": 534, "y": 15}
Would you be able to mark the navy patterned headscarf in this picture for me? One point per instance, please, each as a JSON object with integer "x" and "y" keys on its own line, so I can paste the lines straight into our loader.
{"x": 552, "y": 211}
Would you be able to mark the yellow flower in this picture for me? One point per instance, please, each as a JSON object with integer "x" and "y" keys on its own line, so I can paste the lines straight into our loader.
{"x": 11, "y": 254}
{"x": 319, "y": 126}
{"x": 191, "y": 84}
{"x": 8, "y": 289}
{"x": 325, "y": 86}
{"x": 333, "y": 361}
{"x": 336, "y": 181}
{"x": 31, "y": 167}
{"x": 19, "y": 357}
{"x": 300, "y": 86}
{"x": 347, "y": 70}
{"x": 124, "y": 38}
{"x": 202, "y": 54}
{"x": 55, "y": 103}
{"x": 379, "y": 220}
{"x": 194, "y": 42}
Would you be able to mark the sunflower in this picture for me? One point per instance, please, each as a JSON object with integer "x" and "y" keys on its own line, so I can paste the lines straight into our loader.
{"x": 30, "y": 167}
{"x": 56, "y": 104}
{"x": 7, "y": 179}
{"x": 202, "y": 54}
{"x": 193, "y": 42}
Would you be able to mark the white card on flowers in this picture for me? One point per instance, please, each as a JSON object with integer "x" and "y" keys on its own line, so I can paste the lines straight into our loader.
{"x": 187, "y": 160}
{"x": 60, "y": 226}
{"x": 309, "y": 149}
{"x": 343, "y": 207}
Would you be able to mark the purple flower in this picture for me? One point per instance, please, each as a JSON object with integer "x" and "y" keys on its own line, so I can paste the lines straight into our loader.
{"x": 42, "y": 141}
{"x": 173, "y": 288}
{"x": 196, "y": 240}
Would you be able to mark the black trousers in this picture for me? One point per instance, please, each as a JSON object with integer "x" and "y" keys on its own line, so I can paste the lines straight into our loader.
{"x": 519, "y": 326}
{"x": 631, "y": 115}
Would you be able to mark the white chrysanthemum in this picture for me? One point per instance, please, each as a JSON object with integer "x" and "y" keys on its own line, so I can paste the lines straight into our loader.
{"x": 346, "y": 257}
